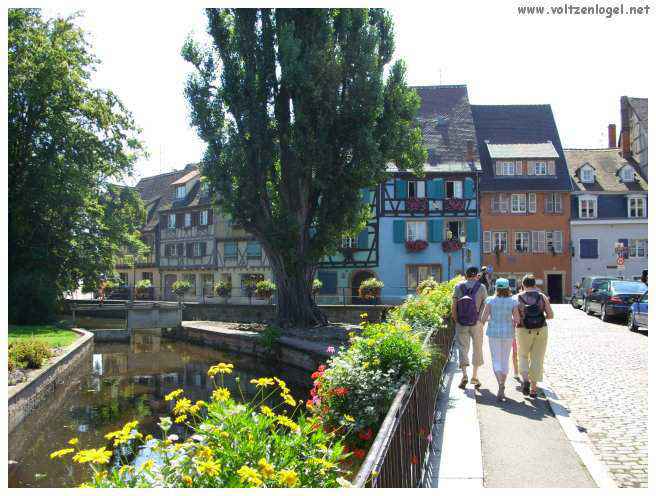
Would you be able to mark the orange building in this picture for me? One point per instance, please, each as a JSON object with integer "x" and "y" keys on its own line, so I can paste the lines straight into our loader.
{"x": 524, "y": 196}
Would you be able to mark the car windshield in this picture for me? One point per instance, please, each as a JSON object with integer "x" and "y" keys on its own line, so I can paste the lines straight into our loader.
{"x": 629, "y": 287}
{"x": 598, "y": 282}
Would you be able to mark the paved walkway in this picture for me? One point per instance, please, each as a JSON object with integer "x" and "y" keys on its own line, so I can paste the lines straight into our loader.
{"x": 518, "y": 443}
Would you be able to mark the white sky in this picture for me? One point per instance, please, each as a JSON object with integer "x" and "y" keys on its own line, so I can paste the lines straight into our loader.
{"x": 581, "y": 65}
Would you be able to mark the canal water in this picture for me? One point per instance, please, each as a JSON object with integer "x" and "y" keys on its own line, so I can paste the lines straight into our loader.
{"x": 122, "y": 382}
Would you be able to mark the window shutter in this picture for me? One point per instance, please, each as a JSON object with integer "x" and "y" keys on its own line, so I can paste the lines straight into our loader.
{"x": 435, "y": 230}
{"x": 472, "y": 230}
{"x": 558, "y": 241}
{"x": 430, "y": 189}
{"x": 365, "y": 193}
{"x": 195, "y": 218}
{"x": 551, "y": 168}
{"x": 503, "y": 203}
{"x": 494, "y": 206}
{"x": 625, "y": 242}
{"x": 532, "y": 203}
{"x": 534, "y": 241}
{"x": 469, "y": 187}
{"x": 203, "y": 248}
{"x": 498, "y": 168}
{"x": 190, "y": 249}
{"x": 487, "y": 241}
{"x": 179, "y": 220}
{"x": 530, "y": 169}
{"x": 329, "y": 280}
{"x": 519, "y": 170}
{"x": 363, "y": 238}
{"x": 439, "y": 188}
{"x": 180, "y": 249}
{"x": 210, "y": 216}
{"x": 230, "y": 249}
{"x": 401, "y": 189}
{"x": 399, "y": 231}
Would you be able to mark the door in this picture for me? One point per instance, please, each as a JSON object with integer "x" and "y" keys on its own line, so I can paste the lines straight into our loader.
{"x": 555, "y": 288}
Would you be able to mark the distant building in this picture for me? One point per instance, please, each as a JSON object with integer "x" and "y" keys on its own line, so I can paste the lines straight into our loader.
{"x": 633, "y": 137}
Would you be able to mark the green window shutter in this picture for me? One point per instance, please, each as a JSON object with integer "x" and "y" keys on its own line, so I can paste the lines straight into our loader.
{"x": 438, "y": 185}
{"x": 363, "y": 238}
{"x": 430, "y": 188}
{"x": 469, "y": 187}
{"x": 230, "y": 249}
{"x": 400, "y": 189}
{"x": 472, "y": 230}
{"x": 435, "y": 230}
{"x": 399, "y": 231}
{"x": 253, "y": 249}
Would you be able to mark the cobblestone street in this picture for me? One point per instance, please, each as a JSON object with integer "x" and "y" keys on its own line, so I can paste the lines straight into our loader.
{"x": 599, "y": 370}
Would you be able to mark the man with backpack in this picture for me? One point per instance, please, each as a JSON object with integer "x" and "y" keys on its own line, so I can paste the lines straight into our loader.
{"x": 534, "y": 310}
{"x": 466, "y": 307}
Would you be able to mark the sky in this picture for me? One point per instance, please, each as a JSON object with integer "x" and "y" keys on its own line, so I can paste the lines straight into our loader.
{"x": 581, "y": 65}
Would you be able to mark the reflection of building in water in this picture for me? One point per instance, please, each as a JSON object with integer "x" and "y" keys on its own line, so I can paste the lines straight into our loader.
{"x": 114, "y": 364}
{"x": 146, "y": 342}
{"x": 97, "y": 364}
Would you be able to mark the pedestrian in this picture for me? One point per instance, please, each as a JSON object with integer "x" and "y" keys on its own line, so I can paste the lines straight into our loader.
{"x": 534, "y": 311}
{"x": 501, "y": 310}
{"x": 466, "y": 307}
{"x": 643, "y": 277}
{"x": 484, "y": 277}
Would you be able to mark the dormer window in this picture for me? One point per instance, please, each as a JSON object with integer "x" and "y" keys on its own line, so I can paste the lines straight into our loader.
{"x": 181, "y": 192}
{"x": 587, "y": 175}
{"x": 627, "y": 174}
{"x": 540, "y": 168}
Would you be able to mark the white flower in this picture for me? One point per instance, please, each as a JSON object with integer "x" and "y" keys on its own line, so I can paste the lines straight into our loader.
{"x": 173, "y": 438}
{"x": 165, "y": 423}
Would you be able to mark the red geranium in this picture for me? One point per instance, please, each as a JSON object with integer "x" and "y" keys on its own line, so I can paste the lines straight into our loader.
{"x": 359, "y": 453}
{"x": 366, "y": 435}
{"x": 414, "y": 460}
{"x": 341, "y": 391}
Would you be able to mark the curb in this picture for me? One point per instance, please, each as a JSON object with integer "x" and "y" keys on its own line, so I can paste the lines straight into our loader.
{"x": 579, "y": 440}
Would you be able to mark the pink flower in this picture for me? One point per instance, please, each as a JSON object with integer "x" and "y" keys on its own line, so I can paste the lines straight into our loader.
{"x": 429, "y": 438}
{"x": 330, "y": 349}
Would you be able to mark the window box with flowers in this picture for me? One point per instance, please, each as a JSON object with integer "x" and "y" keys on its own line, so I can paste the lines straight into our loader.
{"x": 370, "y": 289}
{"x": 416, "y": 245}
{"x": 454, "y": 205}
{"x": 451, "y": 245}
{"x": 416, "y": 204}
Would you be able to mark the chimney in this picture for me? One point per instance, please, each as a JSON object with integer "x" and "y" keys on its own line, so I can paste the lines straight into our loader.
{"x": 612, "y": 136}
{"x": 470, "y": 151}
{"x": 626, "y": 146}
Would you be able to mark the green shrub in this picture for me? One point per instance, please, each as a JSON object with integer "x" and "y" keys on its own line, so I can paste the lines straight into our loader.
{"x": 29, "y": 353}
{"x": 181, "y": 287}
{"x": 11, "y": 363}
{"x": 265, "y": 289}
{"x": 316, "y": 286}
{"x": 143, "y": 284}
{"x": 427, "y": 285}
{"x": 270, "y": 337}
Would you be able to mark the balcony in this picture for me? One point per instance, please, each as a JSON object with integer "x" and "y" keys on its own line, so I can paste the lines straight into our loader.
{"x": 127, "y": 260}
{"x": 429, "y": 207}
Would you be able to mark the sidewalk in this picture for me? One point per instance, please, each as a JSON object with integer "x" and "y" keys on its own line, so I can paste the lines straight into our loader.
{"x": 520, "y": 442}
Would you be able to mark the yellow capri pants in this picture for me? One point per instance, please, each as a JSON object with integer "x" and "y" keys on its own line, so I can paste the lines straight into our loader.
{"x": 531, "y": 347}
{"x": 467, "y": 336}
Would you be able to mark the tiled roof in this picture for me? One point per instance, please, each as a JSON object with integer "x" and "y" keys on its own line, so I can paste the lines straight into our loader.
{"x": 186, "y": 178}
{"x": 607, "y": 163}
{"x": 518, "y": 124}
{"x": 446, "y": 124}
{"x": 523, "y": 150}
{"x": 156, "y": 186}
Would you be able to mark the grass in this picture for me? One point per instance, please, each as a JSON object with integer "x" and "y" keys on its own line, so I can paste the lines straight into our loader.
{"x": 54, "y": 336}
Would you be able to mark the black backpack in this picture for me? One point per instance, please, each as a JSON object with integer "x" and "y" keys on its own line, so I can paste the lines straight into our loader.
{"x": 534, "y": 317}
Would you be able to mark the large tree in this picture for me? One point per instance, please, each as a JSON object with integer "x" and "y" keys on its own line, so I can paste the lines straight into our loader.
{"x": 299, "y": 116}
{"x": 68, "y": 142}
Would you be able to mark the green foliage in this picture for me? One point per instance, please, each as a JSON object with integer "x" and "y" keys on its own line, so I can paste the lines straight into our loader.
{"x": 370, "y": 288}
{"x": 29, "y": 353}
{"x": 223, "y": 289}
{"x": 180, "y": 287}
{"x": 143, "y": 284}
{"x": 68, "y": 142}
{"x": 427, "y": 285}
{"x": 316, "y": 286}
{"x": 265, "y": 288}
{"x": 429, "y": 310}
{"x": 300, "y": 111}
{"x": 270, "y": 337}
{"x": 54, "y": 336}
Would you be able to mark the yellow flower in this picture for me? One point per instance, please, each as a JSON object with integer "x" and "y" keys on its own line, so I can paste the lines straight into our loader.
{"x": 194, "y": 409}
{"x": 173, "y": 395}
{"x": 349, "y": 419}
{"x": 221, "y": 368}
{"x": 201, "y": 403}
{"x": 210, "y": 467}
{"x": 60, "y": 453}
{"x": 149, "y": 437}
{"x": 182, "y": 406}
{"x": 364, "y": 315}
{"x": 288, "y": 478}
{"x": 322, "y": 462}
{"x": 267, "y": 411}
{"x": 287, "y": 422}
{"x": 250, "y": 475}
{"x": 266, "y": 469}
{"x": 125, "y": 468}
{"x": 99, "y": 455}
{"x": 187, "y": 480}
{"x": 180, "y": 419}
{"x": 147, "y": 465}
{"x": 263, "y": 382}
{"x": 73, "y": 441}
{"x": 288, "y": 399}
{"x": 221, "y": 394}
{"x": 365, "y": 365}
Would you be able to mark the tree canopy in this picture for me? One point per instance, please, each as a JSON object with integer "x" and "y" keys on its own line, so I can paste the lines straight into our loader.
{"x": 299, "y": 116}
{"x": 68, "y": 143}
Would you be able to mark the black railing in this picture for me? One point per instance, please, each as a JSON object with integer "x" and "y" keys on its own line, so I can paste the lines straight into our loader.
{"x": 399, "y": 453}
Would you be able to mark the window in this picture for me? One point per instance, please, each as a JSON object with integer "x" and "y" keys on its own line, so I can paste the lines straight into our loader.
{"x": 637, "y": 206}
{"x": 348, "y": 242}
{"x": 519, "y": 169}
{"x": 204, "y": 217}
{"x": 508, "y": 169}
{"x": 230, "y": 251}
{"x": 453, "y": 189}
{"x": 181, "y": 192}
{"x": 522, "y": 241}
{"x": 500, "y": 203}
{"x": 169, "y": 250}
{"x": 554, "y": 241}
{"x": 415, "y": 231}
{"x": 199, "y": 249}
{"x": 587, "y": 207}
{"x": 588, "y": 248}
{"x": 456, "y": 228}
{"x": 538, "y": 241}
{"x": 487, "y": 241}
{"x": 532, "y": 203}
{"x": 171, "y": 221}
{"x": 254, "y": 250}
{"x": 554, "y": 203}
{"x": 500, "y": 241}
{"x": 207, "y": 280}
{"x": 417, "y": 273}
{"x": 187, "y": 219}
{"x": 627, "y": 174}
{"x": 416, "y": 189}
{"x": 247, "y": 279}
{"x": 587, "y": 175}
{"x": 637, "y": 248}
{"x": 329, "y": 281}
{"x": 180, "y": 249}
{"x": 540, "y": 168}
{"x": 518, "y": 203}
{"x": 147, "y": 275}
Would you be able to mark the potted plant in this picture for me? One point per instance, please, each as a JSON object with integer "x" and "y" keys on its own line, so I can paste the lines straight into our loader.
{"x": 427, "y": 285}
{"x": 416, "y": 245}
{"x": 265, "y": 289}
{"x": 142, "y": 287}
{"x": 451, "y": 245}
{"x": 180, "y": 288}
{"x": 316, "y": 287}
{"x": 370, "y": 289}
{"x": 223, "y": 289}
{"x": 415, "y": 204}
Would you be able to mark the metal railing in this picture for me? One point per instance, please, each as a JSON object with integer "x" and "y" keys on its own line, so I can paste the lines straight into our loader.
{"x": 399, "y": 453}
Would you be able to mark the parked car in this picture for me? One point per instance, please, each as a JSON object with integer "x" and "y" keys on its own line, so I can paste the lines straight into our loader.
{"x": 585, "y": 288}
{"x": 638, "y": 314}
{"x": 613, "y": 298}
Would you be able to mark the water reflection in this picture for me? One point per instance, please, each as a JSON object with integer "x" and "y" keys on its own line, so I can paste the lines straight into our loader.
{"x": 121, "y": 382}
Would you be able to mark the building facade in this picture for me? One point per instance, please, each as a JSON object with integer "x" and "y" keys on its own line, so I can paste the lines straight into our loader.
{"x": 525, "y": 196}
{"x": 633, "y": 137}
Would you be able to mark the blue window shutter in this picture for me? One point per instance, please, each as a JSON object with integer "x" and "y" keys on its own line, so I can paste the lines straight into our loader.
{"x": 435, "y": 230}
{"x": 363, "y": 238}
{"x": 329, "y": 280}
{"x": 430, "y": 188}
{"x": 399, "y": 231}
{"x": 401, "y": 188}
{"x": 230, "y": 249}
{"x": 589, "y": 248}
{"x": 472, "y": 230}
{"x": 469, "y": 187}
{"x": 438, "y": 188}
{"x": 625, "y": 242}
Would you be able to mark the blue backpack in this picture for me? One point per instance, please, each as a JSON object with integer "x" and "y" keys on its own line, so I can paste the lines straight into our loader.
{"x": 466, "y": 305}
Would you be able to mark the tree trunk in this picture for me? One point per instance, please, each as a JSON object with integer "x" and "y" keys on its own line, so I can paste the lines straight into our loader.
{"x": 295, "y": 306}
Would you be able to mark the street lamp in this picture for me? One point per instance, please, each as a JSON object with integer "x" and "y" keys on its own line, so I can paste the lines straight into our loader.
{"x": 463, "y": 240}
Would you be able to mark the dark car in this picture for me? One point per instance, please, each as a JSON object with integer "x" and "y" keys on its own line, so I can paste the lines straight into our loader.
{"x": 637, "y": 317}
{"x": 613, "y": 298}
{"x": 587, "y": 285}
